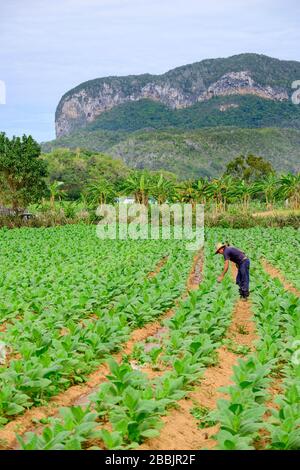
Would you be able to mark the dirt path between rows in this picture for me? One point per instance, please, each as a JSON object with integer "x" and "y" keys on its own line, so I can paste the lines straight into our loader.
{"x": 79, "y": 394}
{"x": 181, "y": 431}
{"x": 158, "y": 267}
{"x": 193, "y": 281}
{"x": 275, "y": 273}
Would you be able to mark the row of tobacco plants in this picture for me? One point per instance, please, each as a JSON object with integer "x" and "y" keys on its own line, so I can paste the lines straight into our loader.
{"x": 72, "y": 302}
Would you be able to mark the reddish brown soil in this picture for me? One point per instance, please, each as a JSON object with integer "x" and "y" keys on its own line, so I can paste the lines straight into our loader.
{"x": 181, "y": 431}
{"x": 195, "y": 275}
{"x": 158, "y": 268}
{"x": 143, "y": 333}
{"x": 80, "y": 393}
{"x": 274, "y": 272}
{"x": 5, "y": 324}
{"x": 273, "y": 391}
{"x": 242, "y": 329}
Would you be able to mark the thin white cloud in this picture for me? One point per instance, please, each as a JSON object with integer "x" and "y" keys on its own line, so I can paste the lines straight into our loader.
{"x": 47, "y": 47}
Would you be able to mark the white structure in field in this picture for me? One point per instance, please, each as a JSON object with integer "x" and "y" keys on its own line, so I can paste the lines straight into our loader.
{"x": 125, "y": 200}
{"x": 130, "y": 200}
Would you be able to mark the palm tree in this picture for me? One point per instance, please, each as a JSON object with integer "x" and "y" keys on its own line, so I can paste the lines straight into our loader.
{"x": 55, "y": 191}
{"x": 229, "y": 188}
{"x": 268, "y": 187}
{"x": 220, "y": 191}
{"x": 162, "y": 189}
{"x": 83, "y": 199}
{"x": 140, "y": 185}
{"x": 243, "y": 192}
{"x": 289, "y": 188}
{"x": 187, "y": 193}
{"x": 100, "y": 191}
{"x": 201, "y": 186}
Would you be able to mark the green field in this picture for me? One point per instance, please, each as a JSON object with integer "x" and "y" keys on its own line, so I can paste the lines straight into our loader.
{"x": 69, "y": 301}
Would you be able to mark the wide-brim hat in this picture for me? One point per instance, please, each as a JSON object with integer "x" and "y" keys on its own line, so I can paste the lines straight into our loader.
{"x": 219, "y": 246}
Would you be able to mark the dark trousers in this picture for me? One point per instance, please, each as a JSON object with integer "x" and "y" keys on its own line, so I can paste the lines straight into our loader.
{"x": 243, "y": 278}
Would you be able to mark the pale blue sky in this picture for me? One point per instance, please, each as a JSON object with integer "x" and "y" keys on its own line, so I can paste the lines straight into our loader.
{"x": 49, "y": 46}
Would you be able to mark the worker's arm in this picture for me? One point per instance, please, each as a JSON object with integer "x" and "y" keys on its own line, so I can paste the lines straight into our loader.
{"x": 226, "y": 266}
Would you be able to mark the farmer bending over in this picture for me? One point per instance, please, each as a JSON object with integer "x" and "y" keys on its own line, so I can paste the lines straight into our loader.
{"x": 241, "y": 261}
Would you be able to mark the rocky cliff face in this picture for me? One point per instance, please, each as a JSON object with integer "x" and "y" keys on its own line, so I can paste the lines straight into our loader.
{"x": 180, "y": 88}
{"x": 241, "y": 83}
{"x": 81, "y": 107}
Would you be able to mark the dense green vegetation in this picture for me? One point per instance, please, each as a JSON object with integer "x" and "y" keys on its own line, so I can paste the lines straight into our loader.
{"x": 239, "y": 111}
{"x": 206, "y": 152}
{"x": 100, "y": 179}
{"x": 190, "y": 154}
{"x": 75, "y": 182}
{"x": 77, "y": 168}
{"x": 265, "y": 70}
{"x": 127, "y": 407}
{"x": 98, "y": 141}
{"x": 22, "y": 171}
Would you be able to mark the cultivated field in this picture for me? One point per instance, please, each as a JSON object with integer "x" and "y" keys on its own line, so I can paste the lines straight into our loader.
{"x": 120, "y": 344}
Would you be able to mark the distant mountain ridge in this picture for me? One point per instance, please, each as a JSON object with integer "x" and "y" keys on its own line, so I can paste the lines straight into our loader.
{"x": 250, "y": 75}
{"x": 191, "y": 120}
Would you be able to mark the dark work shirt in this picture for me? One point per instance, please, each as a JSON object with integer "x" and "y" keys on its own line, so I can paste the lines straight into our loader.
{"x": 233, "y": 254}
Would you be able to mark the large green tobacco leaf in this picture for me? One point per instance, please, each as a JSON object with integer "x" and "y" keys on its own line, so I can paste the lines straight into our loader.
{"x": 284, "y": 425}
{"x": 227, "y": 441}
{"x": 112, "y": 440}
{"x": 75, "y": 426}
